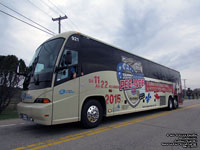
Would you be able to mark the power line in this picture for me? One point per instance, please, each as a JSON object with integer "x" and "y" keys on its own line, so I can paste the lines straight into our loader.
{"x": 26, "y": 17}
{"x": 63, "y": 14}
{"x": 49, "y": 7}
{"x": 56, "y": 11}
{"x": 44, "y": 11}
{"x": 57, "y": 7}
{"x": 39, "y": 8}
{"x": 25, "y": 22}
{"x": 74, "y": 24}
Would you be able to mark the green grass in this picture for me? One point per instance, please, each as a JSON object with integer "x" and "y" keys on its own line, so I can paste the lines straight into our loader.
{"x": 9, "y": 114}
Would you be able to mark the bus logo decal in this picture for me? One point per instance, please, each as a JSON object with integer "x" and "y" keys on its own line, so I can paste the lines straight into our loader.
{"x": 63, "y": 91}
{"x": 25, "y": 96}
{"x": 157, "y": 96}
{"x": 133, "y": 90}
{"x": 148, "y": 97}
{"x": 131, "y": 80}
{"x": 158, "y": 87}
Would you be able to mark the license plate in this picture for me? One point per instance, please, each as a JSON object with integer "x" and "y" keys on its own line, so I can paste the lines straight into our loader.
{"x": 24, "y": 117}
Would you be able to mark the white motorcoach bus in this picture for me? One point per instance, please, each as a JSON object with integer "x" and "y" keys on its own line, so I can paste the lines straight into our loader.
{"x": 73, "y": 77}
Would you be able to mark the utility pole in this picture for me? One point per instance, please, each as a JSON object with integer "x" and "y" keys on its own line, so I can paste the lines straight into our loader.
{"x": 59, "y": 24}
{"x": 184, "y": 81}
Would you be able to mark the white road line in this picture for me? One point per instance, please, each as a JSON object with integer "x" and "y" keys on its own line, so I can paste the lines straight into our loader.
{"x": 7, "y": 125}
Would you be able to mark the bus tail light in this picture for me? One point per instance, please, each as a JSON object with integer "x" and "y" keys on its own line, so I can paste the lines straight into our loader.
{"x": 42, "y": 100}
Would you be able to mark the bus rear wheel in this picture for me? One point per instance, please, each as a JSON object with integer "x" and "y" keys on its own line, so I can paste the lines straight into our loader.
{"x": 175, "y": 103}
{"x": 92, "y": 113}
{"x": 170, "y": 103}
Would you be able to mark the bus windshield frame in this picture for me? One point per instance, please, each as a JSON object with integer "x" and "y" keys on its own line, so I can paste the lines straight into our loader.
{"x": 42, "y": 65}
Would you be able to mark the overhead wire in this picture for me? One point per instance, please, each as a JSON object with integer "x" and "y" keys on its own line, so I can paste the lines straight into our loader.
{"x": 45, "y": 12}
{"x": 62, "y": 12}
{"x": 57, "y": 11}
{"x": 74, "y": 24}
{"x": 53, "y": 10}
{"x": 25, "y": 22}
{"x": 39, "y": 9}
{"x": 26, "y": 17}
{"x": 56, "y": 7}
{"x": 49, "y": 7}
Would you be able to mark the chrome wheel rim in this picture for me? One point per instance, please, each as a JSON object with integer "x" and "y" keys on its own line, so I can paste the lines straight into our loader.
{"x": 175, "y": 103}
{"x": 93, "y": 114}
{"x": 170, "y": 104}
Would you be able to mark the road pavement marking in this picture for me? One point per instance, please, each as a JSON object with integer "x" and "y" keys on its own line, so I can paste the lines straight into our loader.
{"x": 7, "y": 125}
{"x": 96, "y": 131}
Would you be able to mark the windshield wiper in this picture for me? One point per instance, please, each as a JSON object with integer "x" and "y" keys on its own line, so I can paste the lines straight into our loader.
{"x": 36, "y": 80}
{"x": 33, "y": 66}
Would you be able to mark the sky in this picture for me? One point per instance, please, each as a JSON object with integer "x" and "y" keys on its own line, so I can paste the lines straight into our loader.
{"x": 164, "y": 31}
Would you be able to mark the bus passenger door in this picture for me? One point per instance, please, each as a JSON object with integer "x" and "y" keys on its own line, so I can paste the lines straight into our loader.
{"x": 66, "y": 90}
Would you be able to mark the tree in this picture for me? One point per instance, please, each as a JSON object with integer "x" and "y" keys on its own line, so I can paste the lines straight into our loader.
{"x": 196, "y": 93}
{"x": 9, "y": 80}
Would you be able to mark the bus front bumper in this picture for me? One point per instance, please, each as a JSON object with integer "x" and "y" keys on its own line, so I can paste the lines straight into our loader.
{"x": 36, "y": 112}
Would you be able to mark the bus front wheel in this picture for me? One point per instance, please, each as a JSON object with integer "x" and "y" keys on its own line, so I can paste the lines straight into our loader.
{"x": 92, "y": 114}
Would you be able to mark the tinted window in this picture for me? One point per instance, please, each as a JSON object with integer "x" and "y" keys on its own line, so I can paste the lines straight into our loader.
{"x": 70, "y": 71}
{"x": 95, "y": 56}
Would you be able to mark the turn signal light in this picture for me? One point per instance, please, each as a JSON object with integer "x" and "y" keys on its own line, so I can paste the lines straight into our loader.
{"x": 42, "y": 100}
{"x": 46, "y": 100}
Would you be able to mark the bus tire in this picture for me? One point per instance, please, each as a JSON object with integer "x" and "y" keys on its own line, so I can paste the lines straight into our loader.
{"x": 175, "y": 103}
{"x": 92, "y": 114}
{"x": 170, "y": 104}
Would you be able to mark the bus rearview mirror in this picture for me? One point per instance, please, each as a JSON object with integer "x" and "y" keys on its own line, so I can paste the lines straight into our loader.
{"x": 68, "y": 58}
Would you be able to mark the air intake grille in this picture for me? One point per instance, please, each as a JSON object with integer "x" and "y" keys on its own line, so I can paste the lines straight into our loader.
{"x": 162, "y": 100}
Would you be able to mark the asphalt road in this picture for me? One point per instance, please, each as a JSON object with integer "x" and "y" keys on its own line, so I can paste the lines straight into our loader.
{"x": 150, "y": 130}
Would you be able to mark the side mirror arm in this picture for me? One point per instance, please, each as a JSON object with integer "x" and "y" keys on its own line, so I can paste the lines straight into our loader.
{"x": 61, "y": 68}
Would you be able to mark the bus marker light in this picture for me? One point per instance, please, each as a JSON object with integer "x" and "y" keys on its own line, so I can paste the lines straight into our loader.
{"x": 42, "y": 100}
{"x": 45, "y": 100}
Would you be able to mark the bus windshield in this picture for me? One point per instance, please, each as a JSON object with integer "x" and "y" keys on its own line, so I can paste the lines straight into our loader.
{"x": 42, "y": 64}
{"x": 47, "y": 56}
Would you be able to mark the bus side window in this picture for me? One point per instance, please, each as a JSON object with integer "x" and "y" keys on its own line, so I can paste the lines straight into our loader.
{"x": 71, "y": 71}
{"x": 74, "y": 65}
{"x": 63, "y": 74}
